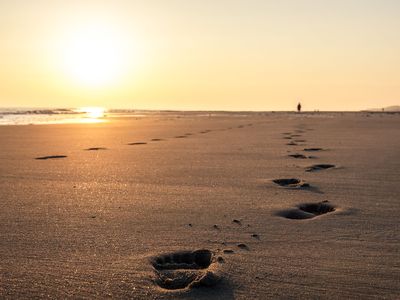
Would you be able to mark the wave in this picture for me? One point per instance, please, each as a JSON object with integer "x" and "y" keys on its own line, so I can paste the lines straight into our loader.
{"x": 58, "y": 111}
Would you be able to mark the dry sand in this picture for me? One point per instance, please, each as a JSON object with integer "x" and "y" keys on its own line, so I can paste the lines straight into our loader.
{"x": 104, "y": 222}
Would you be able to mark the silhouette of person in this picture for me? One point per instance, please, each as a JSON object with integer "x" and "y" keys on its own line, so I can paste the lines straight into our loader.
{"x": 299, "y": 107}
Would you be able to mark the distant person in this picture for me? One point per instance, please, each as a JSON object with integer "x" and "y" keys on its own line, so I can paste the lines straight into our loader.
{"x": 299, "y": 107}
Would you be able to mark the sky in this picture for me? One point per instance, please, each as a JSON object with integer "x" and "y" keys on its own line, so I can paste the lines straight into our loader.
{"x": 200, "y": 55}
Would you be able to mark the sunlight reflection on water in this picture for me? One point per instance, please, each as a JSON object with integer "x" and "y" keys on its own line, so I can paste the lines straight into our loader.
{"x": 85, "y": 115}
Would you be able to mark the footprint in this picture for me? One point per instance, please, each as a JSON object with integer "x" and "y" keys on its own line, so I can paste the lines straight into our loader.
{"x": 256, "y": 236}
{"x": 298, "y": 156}
{"x": 300, "y": 141}
{"x": 319, "y": 167}
{"x": 228, "y": 251}
{"x": 317, "y": 209}
{"x": 95, "y": 149}
{"x": 308, "y": 210}
{"x": 185, "y": 269}
{"x": 137, "y": 143}
{"x": 205, "y": 131}
{"x": 313, "y": 149}
{"x": 51, "y": 157}
{"x": 238, "y": 222}
{"x": 291, "y": 183}
{"x": 243, "y": 247}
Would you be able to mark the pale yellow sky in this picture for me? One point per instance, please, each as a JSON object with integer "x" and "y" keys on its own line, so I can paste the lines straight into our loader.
{"x": 209, "y": 55}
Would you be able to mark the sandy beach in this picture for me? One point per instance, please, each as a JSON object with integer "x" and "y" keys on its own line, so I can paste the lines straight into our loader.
{"x": 213, "y": 206}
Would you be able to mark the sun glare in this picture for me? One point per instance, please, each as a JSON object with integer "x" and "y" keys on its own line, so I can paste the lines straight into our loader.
{"x": 95, "y": 54}
{"x": 92, "y": 112}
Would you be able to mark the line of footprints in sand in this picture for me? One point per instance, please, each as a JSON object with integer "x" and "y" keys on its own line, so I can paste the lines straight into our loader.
{"x": 189, "y": 269}
{"x": 183, "y": 269}
{"x": 303, "y": 210}
{"x": 144, "y": 143}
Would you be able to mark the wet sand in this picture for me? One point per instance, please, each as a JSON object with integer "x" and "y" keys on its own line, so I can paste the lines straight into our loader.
{"x": 185, "y": 206}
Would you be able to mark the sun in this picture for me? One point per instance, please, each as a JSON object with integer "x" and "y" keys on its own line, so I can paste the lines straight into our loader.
{"x": 94, "y": 54}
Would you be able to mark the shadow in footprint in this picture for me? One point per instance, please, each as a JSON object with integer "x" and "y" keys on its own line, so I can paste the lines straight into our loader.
{"x": 243, "y": 247}
{"x": 291, "y": 183}
{"x": 185, "y": 269}
{"x": 319, "y": 167}
{"x": 181, "y": 136}
{"x": 291, "y": 144}
{"x": 236, "y": 221}
{"x": 137, "y": 143}
{"x": 313, "y": 149}
{"x": 298, "y": 156}
{"x": 302, "y": 156}
{"x": 95, "y": 149}
{"x": 295, "y": 183}
{"x": 228, "y": 251}
{"x": 205, "y": 131}
{"x": 51, "y": 157}
{"x": 156, "y": 140}
{"x": 307, "y": 211}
